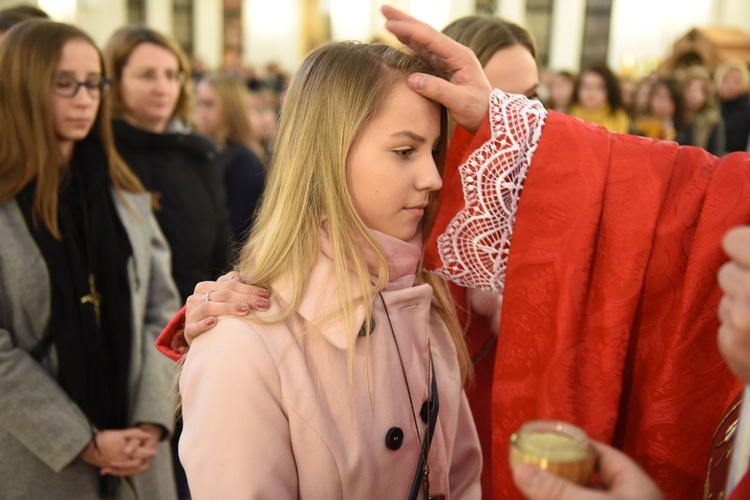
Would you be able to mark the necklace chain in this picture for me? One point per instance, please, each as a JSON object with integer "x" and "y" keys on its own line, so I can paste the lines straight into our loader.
{"x": 425, "y": 468}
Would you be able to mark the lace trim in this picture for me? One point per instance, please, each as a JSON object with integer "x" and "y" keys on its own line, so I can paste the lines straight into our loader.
{"x": 474, "y": 247}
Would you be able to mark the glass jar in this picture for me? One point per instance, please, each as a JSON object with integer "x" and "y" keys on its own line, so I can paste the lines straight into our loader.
{"x": 556, "y": 446}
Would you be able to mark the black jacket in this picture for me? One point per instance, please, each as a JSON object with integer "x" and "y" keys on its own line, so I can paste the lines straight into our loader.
{"x": 736, "y": 115}
{"x": 244, "y": 177}
{"x": 183, "y": 173}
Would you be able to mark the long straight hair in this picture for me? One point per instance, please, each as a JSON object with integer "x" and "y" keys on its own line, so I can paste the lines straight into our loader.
{"x": 339, "y": 88}
{"x": 29, "y": 149}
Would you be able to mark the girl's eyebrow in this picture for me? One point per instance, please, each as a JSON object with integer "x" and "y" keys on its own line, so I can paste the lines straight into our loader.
{"x": 410, "y": 134}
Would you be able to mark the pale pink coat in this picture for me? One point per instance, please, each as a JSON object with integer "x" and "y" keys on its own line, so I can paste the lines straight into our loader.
{"x": 271, "y": 413}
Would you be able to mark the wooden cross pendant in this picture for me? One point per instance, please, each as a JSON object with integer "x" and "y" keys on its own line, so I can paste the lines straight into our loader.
{"x": 94, "y": 299}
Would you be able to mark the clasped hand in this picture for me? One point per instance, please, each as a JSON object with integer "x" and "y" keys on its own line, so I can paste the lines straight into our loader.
{"x": 123, "y": 452}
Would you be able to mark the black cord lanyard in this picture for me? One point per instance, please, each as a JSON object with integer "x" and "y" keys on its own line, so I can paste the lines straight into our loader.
{"x": 434, "y": 405}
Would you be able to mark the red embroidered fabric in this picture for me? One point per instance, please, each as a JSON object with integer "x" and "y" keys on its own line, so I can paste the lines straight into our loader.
{"x": 609, "y": 314}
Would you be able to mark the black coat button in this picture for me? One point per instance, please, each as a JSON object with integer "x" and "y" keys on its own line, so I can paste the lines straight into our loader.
{"x": 394, "y": 438}
{"x": 424, "y": 413}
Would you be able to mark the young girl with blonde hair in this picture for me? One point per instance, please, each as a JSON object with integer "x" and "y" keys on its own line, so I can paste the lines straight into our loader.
{"x": 350, "y": 385}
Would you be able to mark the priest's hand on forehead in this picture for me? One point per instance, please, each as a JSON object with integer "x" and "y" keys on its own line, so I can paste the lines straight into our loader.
{"x": 466, "y": 95}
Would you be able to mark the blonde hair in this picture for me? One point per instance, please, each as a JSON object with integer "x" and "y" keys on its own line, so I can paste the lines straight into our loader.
{"x": 339, "y": 88}
{"x": 29, "y": 149}
{"x": 728, "y": 66}
{"x": 231, "y": 96}
{"x": 117, "y": 53}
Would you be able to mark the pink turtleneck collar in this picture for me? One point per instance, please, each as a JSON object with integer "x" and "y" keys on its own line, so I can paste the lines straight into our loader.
{"x": 403, "y": 257}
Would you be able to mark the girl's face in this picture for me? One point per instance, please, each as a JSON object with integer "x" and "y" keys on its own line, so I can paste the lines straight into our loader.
{"x": 592, "y": 91}
{"x": 390, "y": 167}
{"x": 150, "y": 87}
{"x": 208, "y": 117}
{"x": 74, "y": 115}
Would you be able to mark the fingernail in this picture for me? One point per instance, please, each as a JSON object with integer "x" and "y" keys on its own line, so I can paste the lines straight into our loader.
{"x": 264, "y": 293}
{"x": 417, "y": 81}
{"x": 263, "y": 304}
{"x": 236, "y": 278}
{"x": 241, "y": 308}
{"x": 210, "y": 321}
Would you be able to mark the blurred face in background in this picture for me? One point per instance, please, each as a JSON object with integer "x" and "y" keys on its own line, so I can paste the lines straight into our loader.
{"x": 150, "y": 87}
{"x": 662, "y": 105}
{"x": 731, "y": 86}
{"x": 696, "y": 94}
{"x": 561, "y": 91}
{"x": 627, "y": 92}
{"x": 256, "y": 116}
{"x": 642, "y": 93}
{"x": 263, "y": 115}
{"x": 592, "y": 92}
{"x": 209, "y": 119}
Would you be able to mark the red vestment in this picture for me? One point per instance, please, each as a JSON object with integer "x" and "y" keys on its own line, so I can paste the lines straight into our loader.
{"x": 609, "y": 315}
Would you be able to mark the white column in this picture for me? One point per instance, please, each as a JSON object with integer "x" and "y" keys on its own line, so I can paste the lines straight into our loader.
{"x": 272, "y": 32}
{"x": 377, "y": 21}
{"x": 101, "y": 18}
{"x": 436, "y": 13}
{"x": 351, "y": 20}
{"x": 208, "y": 29}
{"x": 59, "y": 10}
{"x": 160, "y": 16}
{"x": 460, "y": 8}
{"x": 512, "y": 10}
{"x": 566, "y": 37}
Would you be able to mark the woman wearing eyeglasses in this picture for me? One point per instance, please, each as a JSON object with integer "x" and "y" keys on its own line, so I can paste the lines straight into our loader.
{"x": 85, "y": 285}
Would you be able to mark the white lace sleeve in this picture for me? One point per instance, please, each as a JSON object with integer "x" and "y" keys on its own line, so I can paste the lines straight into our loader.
{"x": 475, "y": 246}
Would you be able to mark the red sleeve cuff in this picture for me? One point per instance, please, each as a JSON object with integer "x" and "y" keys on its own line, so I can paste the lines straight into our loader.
{"x": 451, "y": 200}
{"x": 171, "y": 341}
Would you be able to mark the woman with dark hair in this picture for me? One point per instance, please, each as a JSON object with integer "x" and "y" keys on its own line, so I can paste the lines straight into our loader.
{"x": 85, "y": 285}
{"x": 666, "y": 118}
{"x": 561, "y": 92}
{"x": 597, "y": 99}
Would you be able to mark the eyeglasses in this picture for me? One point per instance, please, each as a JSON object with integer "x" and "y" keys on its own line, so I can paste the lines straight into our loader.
{"x": 67, "y": 86}
{"x": 151, "y": 76}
